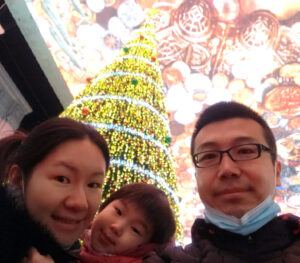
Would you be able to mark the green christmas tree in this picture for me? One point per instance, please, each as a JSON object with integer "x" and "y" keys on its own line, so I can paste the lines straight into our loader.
{"x": 125, "y": 103}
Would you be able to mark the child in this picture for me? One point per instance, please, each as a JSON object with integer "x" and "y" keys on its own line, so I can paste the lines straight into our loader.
{"x": 132, "y": 222}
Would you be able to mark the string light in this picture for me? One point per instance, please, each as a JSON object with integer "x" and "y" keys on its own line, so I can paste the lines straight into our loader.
{"x": 122, "y": 98}
{"x": 131, "y": 132}
{"x": 124, "y": 73}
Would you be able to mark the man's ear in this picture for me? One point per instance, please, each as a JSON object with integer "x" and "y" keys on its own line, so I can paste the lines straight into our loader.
{"x": 15, "y": 176}
{"x": 277, "y": 173}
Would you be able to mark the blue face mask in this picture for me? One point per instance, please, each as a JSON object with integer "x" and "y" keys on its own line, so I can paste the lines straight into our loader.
{"x": 249, "y": 222}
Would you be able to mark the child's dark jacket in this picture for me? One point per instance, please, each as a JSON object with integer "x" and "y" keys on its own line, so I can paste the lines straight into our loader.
{"x": 18, "y": 233}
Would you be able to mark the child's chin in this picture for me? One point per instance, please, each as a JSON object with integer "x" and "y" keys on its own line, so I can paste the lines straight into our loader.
{"x": 101, "y": 249}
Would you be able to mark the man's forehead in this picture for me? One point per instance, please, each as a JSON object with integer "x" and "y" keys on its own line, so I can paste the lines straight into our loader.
{"x": 230, "y": 132}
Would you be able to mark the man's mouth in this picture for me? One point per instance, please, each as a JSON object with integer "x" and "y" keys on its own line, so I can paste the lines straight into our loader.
{"x": 231, "y": 191}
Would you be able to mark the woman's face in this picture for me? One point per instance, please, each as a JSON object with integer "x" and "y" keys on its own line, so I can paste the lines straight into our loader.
{"x": 64, "y": 189}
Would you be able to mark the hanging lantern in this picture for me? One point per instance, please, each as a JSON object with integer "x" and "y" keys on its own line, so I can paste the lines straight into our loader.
{"x": 228, "y": 10}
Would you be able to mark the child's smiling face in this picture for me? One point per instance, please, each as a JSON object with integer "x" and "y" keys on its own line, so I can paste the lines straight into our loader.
{"x": 120, "y": 227}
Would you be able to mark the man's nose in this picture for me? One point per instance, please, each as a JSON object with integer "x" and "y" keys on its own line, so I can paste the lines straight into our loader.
{"x": 77, "y": 199}
{"x": 228, "y": 167}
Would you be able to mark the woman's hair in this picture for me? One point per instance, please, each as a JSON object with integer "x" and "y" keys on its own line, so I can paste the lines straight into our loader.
{"x": 153, "y": 203}
{"x": 8, "y": 148}
{"x": 45, "y": 137}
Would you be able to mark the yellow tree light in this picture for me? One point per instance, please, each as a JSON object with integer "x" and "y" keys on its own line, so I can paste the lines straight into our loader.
{"x": 125, "y": 103}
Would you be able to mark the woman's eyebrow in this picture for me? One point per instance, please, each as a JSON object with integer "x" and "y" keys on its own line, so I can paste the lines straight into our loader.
{"x": 66, "y": 165}
{"x": 74, "y": 169}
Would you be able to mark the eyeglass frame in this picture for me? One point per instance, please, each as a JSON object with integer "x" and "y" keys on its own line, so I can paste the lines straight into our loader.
{"x": 260, "y": 149}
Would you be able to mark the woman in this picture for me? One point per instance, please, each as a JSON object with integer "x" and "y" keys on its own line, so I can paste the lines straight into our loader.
{"x": 55, "y": 180}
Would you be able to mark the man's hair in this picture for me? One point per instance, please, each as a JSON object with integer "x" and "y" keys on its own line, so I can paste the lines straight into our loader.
{"x": 154, "y": 205}
{"x": 229, "y": 110}
{"x": 48, "y": 135}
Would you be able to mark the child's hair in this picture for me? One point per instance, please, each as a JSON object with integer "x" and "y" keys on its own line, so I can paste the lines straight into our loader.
{"x": 153, "y": 203}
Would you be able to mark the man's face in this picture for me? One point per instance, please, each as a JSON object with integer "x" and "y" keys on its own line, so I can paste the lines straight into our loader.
{"x": 234, "y": 187}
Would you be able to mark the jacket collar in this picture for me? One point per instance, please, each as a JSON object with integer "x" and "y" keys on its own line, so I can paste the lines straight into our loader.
{"x": 277, "y": 234}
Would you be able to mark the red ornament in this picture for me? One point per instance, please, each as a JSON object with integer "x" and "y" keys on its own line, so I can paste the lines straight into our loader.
{"x": 85, "y": 111}
{"x": 153, "y": 59}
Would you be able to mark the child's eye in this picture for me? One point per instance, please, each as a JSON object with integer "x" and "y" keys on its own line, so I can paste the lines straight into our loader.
{"x": 136, "y": 231}
{"x": 62, "y": 179}
{"x": 95, "y": 185}
{"x": 118, "y": 211}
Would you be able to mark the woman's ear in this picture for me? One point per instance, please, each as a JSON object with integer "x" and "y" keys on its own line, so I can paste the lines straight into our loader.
{"x": 15, "y": 176}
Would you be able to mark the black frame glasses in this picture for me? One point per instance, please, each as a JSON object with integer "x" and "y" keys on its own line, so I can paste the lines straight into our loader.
{"x": 242, "y": 152}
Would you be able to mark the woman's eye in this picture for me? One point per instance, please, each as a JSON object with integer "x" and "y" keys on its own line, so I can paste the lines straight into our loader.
{"x": 95, "y": 185}
{"x": 62, "y": 179}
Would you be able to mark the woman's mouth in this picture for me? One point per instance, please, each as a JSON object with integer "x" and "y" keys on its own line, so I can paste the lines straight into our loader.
{"x": 66, "y": 220}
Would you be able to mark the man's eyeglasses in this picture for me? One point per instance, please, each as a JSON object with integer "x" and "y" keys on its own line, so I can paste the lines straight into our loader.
{"x": 242, "y": 152}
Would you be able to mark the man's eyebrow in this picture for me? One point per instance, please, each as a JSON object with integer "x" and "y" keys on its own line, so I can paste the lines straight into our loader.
{"x": 236, "y": 141}
{"x": 206, "y": 145}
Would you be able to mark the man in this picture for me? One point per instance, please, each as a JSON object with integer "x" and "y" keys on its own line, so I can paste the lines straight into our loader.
{"x": 234, "y": 153}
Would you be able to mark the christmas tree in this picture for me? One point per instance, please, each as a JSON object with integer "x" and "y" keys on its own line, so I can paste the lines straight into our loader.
{"x": 125, "y": 103}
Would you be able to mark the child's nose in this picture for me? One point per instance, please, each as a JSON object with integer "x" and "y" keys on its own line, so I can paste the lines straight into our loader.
{"x": 117, "y": 228}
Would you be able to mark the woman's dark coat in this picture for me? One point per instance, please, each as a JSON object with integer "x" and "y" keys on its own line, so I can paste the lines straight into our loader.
{"x": 18, "y": 232}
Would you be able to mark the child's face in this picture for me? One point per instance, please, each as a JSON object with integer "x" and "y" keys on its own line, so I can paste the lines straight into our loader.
{"x": 119, "y": 227}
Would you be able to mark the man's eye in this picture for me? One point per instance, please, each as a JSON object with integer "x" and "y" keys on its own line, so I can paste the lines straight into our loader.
{"x": 62, "y": 179}
{"x": 208, "y": 156}
{"x": 246, "y": 150}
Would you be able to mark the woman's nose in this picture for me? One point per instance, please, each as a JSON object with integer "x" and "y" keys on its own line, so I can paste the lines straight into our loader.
{"x": 77, "y": 199}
